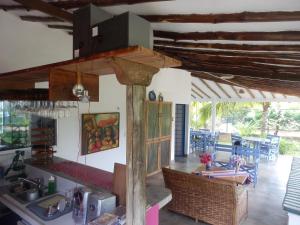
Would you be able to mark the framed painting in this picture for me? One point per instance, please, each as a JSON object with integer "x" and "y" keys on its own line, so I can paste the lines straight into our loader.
{"x": 100, "y": 132}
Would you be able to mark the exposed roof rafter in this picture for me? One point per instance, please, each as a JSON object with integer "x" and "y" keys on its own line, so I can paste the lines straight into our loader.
{"x": 262, "y": 94}
{"x": 222, "y": 89}
{"x": 63, "y": 27}
{"x": 47, "y": 8}
{"x": 41, "y": 18}
{"x": 237, "y": 36}
{"x": 196, "y": 93}
{"x": 282, "y": 87}
{"x": 236, "y": 92}
{"x": 209, "y": 88}
{"x": 71, "y": 4}
{"x": 250, "y": 92}
{"x": 226, "y": 18}
{"x": 197, "y": 88}
{"x": 234, "y": 47}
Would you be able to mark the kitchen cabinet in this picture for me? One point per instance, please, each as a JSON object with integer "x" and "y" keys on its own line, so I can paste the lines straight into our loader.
{"x": 158, "y": 129}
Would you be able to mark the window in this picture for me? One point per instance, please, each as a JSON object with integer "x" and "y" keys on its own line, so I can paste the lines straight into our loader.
{"x": 14, "y": 127}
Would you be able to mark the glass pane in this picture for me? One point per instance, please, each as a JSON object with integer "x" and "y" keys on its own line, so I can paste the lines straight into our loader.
{"x": 165, "y": 153}
{"x": 166, "y": 119}
{"x": 14, "y": 127}
{"x": 152, "y": 165}
{"x": 152, "y": 127}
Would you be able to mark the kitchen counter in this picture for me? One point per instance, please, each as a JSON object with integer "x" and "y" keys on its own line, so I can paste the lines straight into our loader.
{"x": 30, "y": 217}
{"x": 155, "y": 194}
{"x": 78, "y": 173}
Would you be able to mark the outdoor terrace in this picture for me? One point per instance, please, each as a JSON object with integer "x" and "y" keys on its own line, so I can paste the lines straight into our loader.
{"x": 265, "y": 200}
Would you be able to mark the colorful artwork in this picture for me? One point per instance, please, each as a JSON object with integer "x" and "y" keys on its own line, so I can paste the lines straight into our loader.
{"x": 100, "y": 131}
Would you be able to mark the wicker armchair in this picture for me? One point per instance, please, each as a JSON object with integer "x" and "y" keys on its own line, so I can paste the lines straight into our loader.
{"x": 212, "y": 201}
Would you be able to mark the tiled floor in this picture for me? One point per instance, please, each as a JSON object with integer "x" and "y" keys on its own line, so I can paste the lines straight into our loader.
{"x": 265, "y": 199}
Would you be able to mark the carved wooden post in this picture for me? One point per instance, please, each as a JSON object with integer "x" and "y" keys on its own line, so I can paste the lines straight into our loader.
{"x": 136, "y": 76}
{"x": 135, "y": 156}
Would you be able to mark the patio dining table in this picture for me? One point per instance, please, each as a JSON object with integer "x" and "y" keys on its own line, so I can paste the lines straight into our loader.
{"x": 221, "y": 173}
{"x": 257, "y": 139}
{"x": 256, "y": 142}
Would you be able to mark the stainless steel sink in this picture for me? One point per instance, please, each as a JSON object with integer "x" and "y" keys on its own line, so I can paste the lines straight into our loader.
{"x": 26, "y": 191}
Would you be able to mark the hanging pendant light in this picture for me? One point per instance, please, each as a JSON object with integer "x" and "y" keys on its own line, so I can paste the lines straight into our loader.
{"x": 79, "y": 90}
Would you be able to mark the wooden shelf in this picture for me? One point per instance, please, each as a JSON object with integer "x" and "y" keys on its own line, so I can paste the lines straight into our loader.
{"x": 97, "y": 64}
{"x": 133, "y": 65}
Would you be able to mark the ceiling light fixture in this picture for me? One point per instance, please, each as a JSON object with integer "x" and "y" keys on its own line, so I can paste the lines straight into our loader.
{"x": 227, "y": 77}
{"x": 79, "y": 90}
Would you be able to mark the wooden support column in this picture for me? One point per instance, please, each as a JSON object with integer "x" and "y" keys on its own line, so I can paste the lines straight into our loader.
{"x": 136, "y": 76}
{"x": 136, "y": 156}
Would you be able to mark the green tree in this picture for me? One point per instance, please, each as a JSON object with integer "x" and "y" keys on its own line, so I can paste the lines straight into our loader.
{"x": 201, "y": 112}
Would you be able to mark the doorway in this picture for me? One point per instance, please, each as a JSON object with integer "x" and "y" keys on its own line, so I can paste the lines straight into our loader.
{"x": 180, "y": 130}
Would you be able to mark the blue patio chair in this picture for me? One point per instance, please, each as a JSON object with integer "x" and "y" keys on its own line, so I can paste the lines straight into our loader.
{"x": 274, "y": 145}
{"x": 193, "y": 137}
{"x": 265, "y": 150}
{"x": 250, "y": 155}
{"x": 212, "y": 140}
{"x": 197, "y": 140}
{"x": 235, "y": 138}
{"x": 252, "y": 158}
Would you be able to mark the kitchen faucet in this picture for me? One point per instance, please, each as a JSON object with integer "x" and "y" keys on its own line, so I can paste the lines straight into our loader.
{"x": 37, "y": 182}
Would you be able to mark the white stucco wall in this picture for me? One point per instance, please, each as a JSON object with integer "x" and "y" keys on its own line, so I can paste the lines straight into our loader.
{"x": 175, "y": 86}
{"x": 25, "y": 44}
{"x": 112, "y": 99}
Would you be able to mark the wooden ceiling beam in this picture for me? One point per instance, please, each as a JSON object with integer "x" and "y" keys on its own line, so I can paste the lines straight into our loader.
{"x": 180, "y": 51}
{"x": 198, "y": 89}
{"x": 273, "y": 96}
{"x": 63, "y": 27}
{"x": 242, "y": 17}
{"x": 79, "y": 3}
{"x": 210, "y": 88}
{"x": 222, "y": 89}
{"x": 263, "y": 67}
{"x": 47, "y": 8}
{"x": 13, "y": 7}
{"x": 240, "y": 71}
{"x": 283, "y": 87}
{"x": 196, "y": 93}
{"x": 41, "y": 19}
{"x": 250, "y": 92}
{"x": 234, "y": 47}
{"x": 262, "y": 94}
{"x": 70, "y": 4}
{"x": 237, "y": 36}
{"x": 257, "y": 71}
{"x": 241, "y": 60}
{"x": 236, "y": 92}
